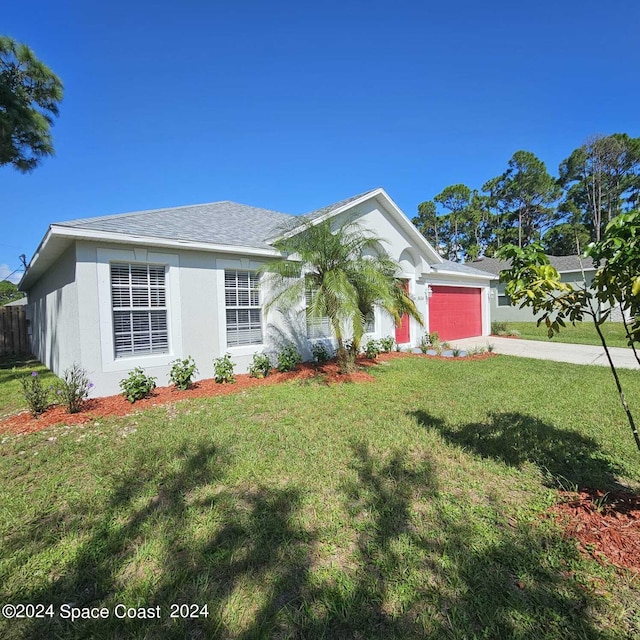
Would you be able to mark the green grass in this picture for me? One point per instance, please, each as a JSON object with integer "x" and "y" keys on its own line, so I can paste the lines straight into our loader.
{"x": 410, "y": 507}
{"x": 11, "y": 369}
{"x": 581, "y": 333}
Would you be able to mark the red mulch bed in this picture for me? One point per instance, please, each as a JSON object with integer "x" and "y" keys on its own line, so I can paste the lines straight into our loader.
{"x": 117, "y": 406}
{"x": 606, "y": 526}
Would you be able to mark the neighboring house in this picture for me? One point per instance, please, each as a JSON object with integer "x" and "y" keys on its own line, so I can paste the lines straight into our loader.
{"x": 573, "y": 269}
{"x": 142, "y": 289}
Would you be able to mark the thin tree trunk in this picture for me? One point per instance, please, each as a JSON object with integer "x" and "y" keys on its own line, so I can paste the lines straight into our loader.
{"x": 623, "y": 400}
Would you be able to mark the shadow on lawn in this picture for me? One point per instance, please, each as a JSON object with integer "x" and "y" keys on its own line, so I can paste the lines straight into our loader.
{"x": 419, "y": 564}
{"x": 566, "y": 458}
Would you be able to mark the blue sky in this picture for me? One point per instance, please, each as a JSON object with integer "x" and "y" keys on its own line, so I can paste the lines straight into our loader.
{"x": 294, "y": 105}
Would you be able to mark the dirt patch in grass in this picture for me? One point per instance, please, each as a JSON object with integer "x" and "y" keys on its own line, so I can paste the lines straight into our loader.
{"x": 605, "y": 525}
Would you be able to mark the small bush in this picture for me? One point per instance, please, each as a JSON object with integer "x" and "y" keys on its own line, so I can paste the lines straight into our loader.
{"x": 261, "y": 366}
{"x": 425, "y": 344}
{"x": 490, "y": 347}
{"x": 372, "y": 349}
{"x": 289, "y": 358}
{"x": 137, "y": 385}
{"x": 74, "y": 388}
{"x": 34, "y": 393}
{"x": 434, "y": 337}
{"x": 386, "y": 344}
{"x": 320, "y": 353}
{"x": 513, "y": 333}
{"x": 498, "y": 327}
{"x": 456, "y": 352}
{"x": 223, "y": 369}
{"x": 476, "y": 351}
{"x": 182, "y": 372}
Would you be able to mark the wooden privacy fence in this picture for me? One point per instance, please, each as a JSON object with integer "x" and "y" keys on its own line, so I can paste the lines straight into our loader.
{"x": 13, "y": 331}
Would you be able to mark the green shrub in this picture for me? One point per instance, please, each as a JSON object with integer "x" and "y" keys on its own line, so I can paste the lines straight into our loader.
{"x": 34, "y": 393}
{"x": 425, "y": 344}
{"x": 498, "y": 327}
{"x": 289, "y": 358}
{"x": 320, "y": 353}
{"x": 372, "y": 349}
{"x": 137, "y": 385}
{"x": 490, "y": 347}
{"x": 261, "y": 366}
{"x": 74, "y": 388}
{"x": 386, "y": 344}
{"x": 182, "y": 372}
{"x": 223, "y": 369}
{"x": 456, "y": 352}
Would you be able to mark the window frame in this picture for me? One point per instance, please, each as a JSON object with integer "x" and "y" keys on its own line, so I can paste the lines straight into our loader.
{"x": 132, "y": 292}
{"x": 253, "y": 288}
{"x": 137, "y": 255}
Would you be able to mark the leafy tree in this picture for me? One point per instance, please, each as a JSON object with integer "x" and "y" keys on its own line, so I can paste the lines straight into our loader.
{"x": 428, "y": 223}
{"x": 533, "y": 282}
{"x": 344, "y": 280}
{"x": 601, "y": 179}
{"x": 566, "y": 239}
{"x": 477, "y": 226}
{"x": 8, "y": 292}
{"x": 29, "y": 97}
{"x": 455, "y": 199}
{"x": 524, "y": 194}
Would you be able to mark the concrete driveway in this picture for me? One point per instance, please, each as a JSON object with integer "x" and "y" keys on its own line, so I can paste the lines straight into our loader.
{"x": 558, "y": 351}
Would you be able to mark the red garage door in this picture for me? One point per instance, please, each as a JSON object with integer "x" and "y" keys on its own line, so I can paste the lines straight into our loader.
{"x": 455, "y": 312}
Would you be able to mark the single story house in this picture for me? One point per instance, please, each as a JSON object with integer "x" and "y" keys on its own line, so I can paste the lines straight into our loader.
{"x": 142, "y": 289}
{"x": 574, "y": 269}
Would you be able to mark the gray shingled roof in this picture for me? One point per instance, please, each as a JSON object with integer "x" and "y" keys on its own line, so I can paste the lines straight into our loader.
{"x": 228, "y": 223}
{"x": 570, "y": 263}
{"x": 562, "y": 263}
{"x": 449, "y": 265}
{"x": 318, "y": 213}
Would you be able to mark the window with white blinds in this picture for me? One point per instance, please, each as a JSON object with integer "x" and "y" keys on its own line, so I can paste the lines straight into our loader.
{"x": 242, "y": 301}
{"x": 316, "y": 327}
{"x": 139, "y": 302}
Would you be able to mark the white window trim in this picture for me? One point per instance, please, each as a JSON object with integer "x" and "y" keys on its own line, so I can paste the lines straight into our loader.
{"x": 239, "y": 264}
{"x": 236, "y": 347}
{"x": 104, "y": 258}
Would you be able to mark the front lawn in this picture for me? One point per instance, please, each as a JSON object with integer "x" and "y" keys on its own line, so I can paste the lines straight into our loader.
{"x": 582, "y": 333}
{"x": 11, "y": 370}
{"x": 409, "y": 507}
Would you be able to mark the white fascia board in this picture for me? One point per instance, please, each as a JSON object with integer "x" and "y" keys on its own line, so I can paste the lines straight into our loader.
{"x": 74, "y": 233}
{"x": 38, "y": 252}
{"x": 459, "y": 274}
{"x": 123, "y": 238}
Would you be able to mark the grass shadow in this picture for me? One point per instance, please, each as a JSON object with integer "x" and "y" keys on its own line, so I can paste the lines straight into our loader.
{"x": 246, "y": 534}
{"x": 567, "y": 459}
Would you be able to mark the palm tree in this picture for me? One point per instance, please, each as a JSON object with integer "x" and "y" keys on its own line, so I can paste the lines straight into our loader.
{"x": 344, "y": 283}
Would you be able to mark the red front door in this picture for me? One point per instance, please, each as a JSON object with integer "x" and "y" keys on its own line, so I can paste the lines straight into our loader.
{"x": 402, "y": 329}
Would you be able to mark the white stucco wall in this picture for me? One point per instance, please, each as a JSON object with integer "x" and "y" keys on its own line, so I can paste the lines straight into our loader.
{"x": 54, "y": 315}
{"x": 196, "y": 312}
